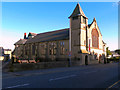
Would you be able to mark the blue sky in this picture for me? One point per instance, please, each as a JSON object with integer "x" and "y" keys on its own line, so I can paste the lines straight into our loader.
{"x": 38, "y": 17}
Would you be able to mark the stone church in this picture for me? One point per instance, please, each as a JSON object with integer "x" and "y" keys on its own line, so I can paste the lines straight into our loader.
{"x": 77, "y": 42}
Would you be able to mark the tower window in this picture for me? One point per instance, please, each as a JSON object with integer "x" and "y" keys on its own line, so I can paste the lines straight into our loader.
{"x": 33, "y": 49}
{"x": 75, "y": 18}
{"x": 84, "y": 20}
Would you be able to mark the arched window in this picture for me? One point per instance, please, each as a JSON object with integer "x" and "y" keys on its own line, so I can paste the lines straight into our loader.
{"x": 95, "y": 38}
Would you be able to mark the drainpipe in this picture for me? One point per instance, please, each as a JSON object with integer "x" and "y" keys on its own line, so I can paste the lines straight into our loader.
{"x": 70, "y": 44}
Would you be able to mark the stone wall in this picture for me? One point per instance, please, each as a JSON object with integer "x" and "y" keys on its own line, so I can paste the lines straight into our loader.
{"x": 45, "y": 65}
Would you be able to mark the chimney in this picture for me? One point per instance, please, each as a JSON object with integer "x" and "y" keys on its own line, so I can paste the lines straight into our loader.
{"x": 24, "y": 35}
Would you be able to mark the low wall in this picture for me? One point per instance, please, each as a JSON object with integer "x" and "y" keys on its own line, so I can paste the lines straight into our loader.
{"x": 42, "y": 65}
{"x": 45, "y": 65}
{"x": 93, "y": 62}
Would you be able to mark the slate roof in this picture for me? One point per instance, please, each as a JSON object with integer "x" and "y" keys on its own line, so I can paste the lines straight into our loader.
{"x": 89, "y": 25}
{"x": 94, "y": 20}
{"x": 32, "y": 34}
{"x": 21, "y": 41}
{"x": 78, "y": 11}
{"x": 103, "y": 42}
{"x": 50, "y": 36}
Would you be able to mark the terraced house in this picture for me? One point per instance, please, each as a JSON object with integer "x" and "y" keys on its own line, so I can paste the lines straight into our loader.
{"x": 80, "y": 41}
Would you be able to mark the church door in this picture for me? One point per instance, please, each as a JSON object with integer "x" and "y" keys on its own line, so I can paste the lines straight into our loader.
{"x": 86, "y": 60}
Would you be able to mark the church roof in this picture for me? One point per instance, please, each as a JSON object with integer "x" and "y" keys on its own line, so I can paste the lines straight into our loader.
{"x": 21, "y": 41}
{"x": 103, "y": 42}
{"x": 31, "y": 34}
{"x": 94, "y": 20}
{"x": 50, "y": 36}
{"x": 78, "y": 11}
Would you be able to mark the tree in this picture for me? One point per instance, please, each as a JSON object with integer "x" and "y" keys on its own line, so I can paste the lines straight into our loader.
{"x": 108, "y": 51}
{"x": 117, "y": 51}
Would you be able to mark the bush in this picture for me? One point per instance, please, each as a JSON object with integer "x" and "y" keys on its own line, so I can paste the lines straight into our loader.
{"x": 116, "y": 59}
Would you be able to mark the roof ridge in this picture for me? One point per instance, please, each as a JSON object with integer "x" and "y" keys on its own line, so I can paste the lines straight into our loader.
{"x": 53, "y": 31}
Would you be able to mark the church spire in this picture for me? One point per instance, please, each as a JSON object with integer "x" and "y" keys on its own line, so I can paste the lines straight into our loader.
{"x": 94, "y": 19}
{"x": 78, "y": 11}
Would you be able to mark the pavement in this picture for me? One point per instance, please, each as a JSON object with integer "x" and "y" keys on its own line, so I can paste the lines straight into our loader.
{"x": 91, "y": 76}
{"x": 46, "y": 71}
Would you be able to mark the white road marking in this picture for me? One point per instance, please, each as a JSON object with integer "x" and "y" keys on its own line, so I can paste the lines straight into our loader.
{"x": 91, "y": 72}
{"x": 114, "y": 84}
{"x": 18, "y": 85}
{"x": 62, "y": 77}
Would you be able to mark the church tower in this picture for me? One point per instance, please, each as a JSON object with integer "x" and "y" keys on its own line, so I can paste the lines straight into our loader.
{"x": 78, "y": 31}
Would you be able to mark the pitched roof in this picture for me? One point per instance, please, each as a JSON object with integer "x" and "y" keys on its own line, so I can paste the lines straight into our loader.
{"x": 94, "y": 20}
{"x": 32, "y": 34}
{"x": 21, "y": 41}
{"x": 7, "y": 50}
{"x": 103, "y": 42}
{"x": 50, "y": 36}
{"x": 78, "y": 11}
{"x": 89, "y": 25}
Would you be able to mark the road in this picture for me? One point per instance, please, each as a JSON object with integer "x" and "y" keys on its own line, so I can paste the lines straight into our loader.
{"x": 91, "y": 76}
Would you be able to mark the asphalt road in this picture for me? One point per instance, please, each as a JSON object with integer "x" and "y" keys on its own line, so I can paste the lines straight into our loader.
{"x": 91, "y": 76}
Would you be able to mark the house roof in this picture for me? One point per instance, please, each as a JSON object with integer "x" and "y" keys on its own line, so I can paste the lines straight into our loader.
{"x": 50, "y": 36}
{"x": 31, "y": 34}
{"x": 78, "y": 11}
{"x": 21, "y": 41}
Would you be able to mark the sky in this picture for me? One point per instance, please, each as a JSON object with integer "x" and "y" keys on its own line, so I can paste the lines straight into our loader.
{"x": 38, "y": 17}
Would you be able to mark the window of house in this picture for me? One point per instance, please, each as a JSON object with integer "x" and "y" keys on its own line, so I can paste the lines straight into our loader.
{"x": 43, "y": 48}
{"x": 84, "y": 42}
{"x": 50, "y": 51}
{"x": 84, "y": 20}
{"x": 74, "y": 18}
{"x": 61, "y": 43}
{"x": 51, "y": 48}
{"x": 54, "y": 52}
{"x": 25, "y": 50}
{"x": 62, "y": 49}
{"x": 33, "y": 49}
{"x": 54, "y": 48}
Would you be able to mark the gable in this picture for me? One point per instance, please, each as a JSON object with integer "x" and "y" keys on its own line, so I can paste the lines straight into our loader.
{"x": 94, "y": 25}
